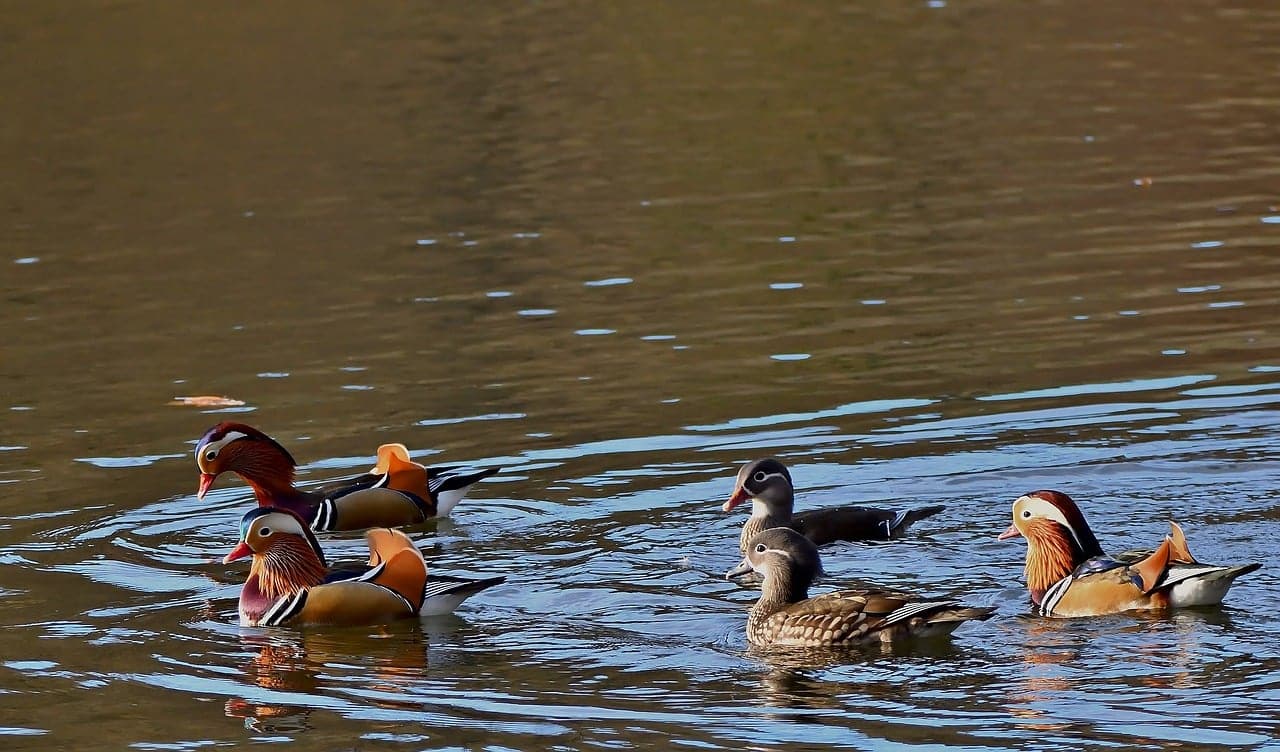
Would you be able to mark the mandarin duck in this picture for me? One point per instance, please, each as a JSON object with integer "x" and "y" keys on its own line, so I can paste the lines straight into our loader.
{"x": 786, "y": 615}
{"x": 290, "y": 583}
{"x": 1069, "y": 575}
{"x": 767, "y": 483}
{"x": 397, "y": 491}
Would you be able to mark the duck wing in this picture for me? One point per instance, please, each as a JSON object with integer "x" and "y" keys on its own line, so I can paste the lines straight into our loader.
{"x": 857, "y": 523}
{"x": 853, "y": 616}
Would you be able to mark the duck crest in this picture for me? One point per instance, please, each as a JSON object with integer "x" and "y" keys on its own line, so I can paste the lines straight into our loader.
{"x": 270, "y": 473}
{"x": 259, "y": 459}
{"x": 1076, "y": 526}
{"x": 220, "y": 431}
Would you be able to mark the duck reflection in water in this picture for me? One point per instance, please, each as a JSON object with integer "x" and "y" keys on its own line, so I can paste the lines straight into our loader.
{"x": 1166, "y": 650}
{"x": 279, "y": 665}
{"x": 295, "y": 671}
{"x": 879, "y": 683}
{"x": 797, "y": 677}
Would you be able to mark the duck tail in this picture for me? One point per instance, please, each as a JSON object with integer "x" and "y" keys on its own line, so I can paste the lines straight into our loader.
{"x": 905, "y": 518}
{"x": 963, "y": 613}
{"x": 449, "y": 485}
{"x": 1236, "y": 571}
{"x": 404, "y": 571}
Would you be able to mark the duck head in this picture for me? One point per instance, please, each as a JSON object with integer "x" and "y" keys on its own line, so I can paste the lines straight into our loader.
{"x": 767, "y": 483}
{"x": 246, "y": 451}
{"x": 1058, "y": 538}
{"x": 786, "y": 560}
{"x": 286, "y": 554}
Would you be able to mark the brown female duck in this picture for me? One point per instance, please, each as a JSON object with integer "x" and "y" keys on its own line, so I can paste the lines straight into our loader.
{"x": 786, "y": 615}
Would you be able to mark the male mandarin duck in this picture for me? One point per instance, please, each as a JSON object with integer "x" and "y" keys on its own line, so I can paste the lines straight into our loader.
{"x": 397, "y": 491}
{"x": 290, "y": 583}
{"x": 1069, "y": 575}
{"x": 767, "y": 483}
{"x": 786, "y": 615}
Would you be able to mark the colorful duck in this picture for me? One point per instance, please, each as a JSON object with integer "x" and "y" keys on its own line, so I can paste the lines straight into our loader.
{"x": 290, "y": 583}
{"x": 1069, "y": 575}
{"x": 396, "y": 492}
{"x": 786, "y": 615}
{"x": 767, "y": 483}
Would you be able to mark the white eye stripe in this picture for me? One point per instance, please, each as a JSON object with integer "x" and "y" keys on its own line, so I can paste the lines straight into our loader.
{"x": 1048, "y": 511}
{"x": 216, "y": 446}
{"x": 283, "y": 523}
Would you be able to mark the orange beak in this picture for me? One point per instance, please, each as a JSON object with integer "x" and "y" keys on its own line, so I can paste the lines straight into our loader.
{"x": 739, "y": 495}
{"x": 206, "y": 482}
{"x": 239, "y": 552}
{"x": 1012, "y": 532}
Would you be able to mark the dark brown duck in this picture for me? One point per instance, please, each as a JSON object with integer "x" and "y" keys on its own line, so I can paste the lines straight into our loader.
{"x": 767, "y": 483}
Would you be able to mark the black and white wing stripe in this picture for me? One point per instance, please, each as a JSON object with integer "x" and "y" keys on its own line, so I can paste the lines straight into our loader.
{"x": 284, "y": 609}
{"x": 448, "y": 485}
{"x": 1188, "y": 572}
{"x": 324, "y": 516}
{"x": 454, "y": 478}
{"x": 902, "y": 613}
{"x": 1054, "y": 594}
{"x": 895, "y": 523}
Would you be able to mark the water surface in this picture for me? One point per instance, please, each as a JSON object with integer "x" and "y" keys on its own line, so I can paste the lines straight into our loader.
{"x": 926, "y": 253}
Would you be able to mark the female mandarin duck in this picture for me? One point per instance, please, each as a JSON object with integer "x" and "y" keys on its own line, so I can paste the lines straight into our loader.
{"x": 785, "y": 615}
{"x": 290, "y": 583}
{"x": 397, "y": 491}
{"x": 767, "y": 483}
{"x": 1068, "y": 574}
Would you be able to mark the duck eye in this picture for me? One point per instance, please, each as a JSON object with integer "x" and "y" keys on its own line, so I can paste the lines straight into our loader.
{"x": 760, "y": 548}
{"x": 758, "y": 477}
{"x": 264, "y": 532}
{"x": 211, "y": 455}
{"x": 1026, "y": 514}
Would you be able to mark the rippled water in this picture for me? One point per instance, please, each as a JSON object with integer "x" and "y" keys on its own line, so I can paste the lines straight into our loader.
{"x": 931, "y": 253}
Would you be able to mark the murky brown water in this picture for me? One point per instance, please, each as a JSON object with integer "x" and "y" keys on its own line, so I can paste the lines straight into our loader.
{"x": 933, "y": 252}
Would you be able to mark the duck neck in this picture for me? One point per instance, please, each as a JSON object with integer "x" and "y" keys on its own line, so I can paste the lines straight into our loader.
{"x": 284, "y": 496}
{"x": 1051, "y": 555}
{"x": 780, "y": 589}
{"x": 270, "y": 474}
{"x": 286, "y": 567}
{"x": 763, "y": 517}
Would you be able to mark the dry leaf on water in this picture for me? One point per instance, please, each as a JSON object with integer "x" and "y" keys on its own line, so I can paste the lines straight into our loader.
{"x": 206, "y": 400}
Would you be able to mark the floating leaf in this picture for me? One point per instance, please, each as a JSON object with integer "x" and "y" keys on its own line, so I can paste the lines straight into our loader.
{"x": 206, "y": 400}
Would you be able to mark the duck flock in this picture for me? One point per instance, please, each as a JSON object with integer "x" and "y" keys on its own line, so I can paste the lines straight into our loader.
{"x": 290, "y": 582}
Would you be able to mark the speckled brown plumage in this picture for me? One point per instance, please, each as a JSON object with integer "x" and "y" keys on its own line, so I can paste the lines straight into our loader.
{"x": 784, "y": 615}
